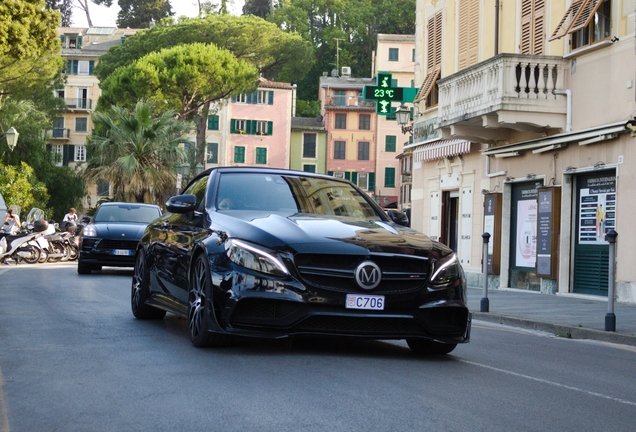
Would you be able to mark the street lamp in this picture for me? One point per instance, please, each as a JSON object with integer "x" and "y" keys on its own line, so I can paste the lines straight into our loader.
{"x": 198, "y": 169}
{"x": 12, "y": 138}
{"x": 183, "y": 169}
{"x": 403, "y": 116}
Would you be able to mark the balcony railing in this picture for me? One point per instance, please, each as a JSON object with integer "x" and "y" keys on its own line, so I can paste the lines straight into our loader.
{"x": 60, "y": 133}
{"x": 506, "y": 85}
{"x": 346, "y": 101}
{"x": 86, "y": 104}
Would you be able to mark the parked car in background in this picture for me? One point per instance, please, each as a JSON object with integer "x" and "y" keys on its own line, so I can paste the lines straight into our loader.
{"x": 274, "y": 253}
{"x": 111, "y": 237}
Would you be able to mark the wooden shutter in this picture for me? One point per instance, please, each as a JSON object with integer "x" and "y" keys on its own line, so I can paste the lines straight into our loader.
{"x": 468, "y": 33}
{"x": 585, "y": 15}
{"x": 213, "y": 122}
{"x": 389, "y": 177}
{"x": 270, "y": 97}
{"x": 233, "y": 126}
{"x": 354, "y": 177}
{"x": 91, "y": 67}
{"x": 567, "y": 20}
{"x": 371, "y": 181}
{"x": 79, "y": 42}
{"x": 434, "y": 49}
{"x": 270, "y": 127}
{"x": 427, "y": 85}
{"x": 532, "y": 27}
{"x": 347, "y": 175}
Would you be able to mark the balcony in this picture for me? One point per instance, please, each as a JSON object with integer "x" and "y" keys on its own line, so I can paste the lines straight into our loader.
{"x": 59, "y": 134}
{"x": 349, "y": 102}
{"x": 79, "y": 104}
{"x": 407, "y": 178}
{"x": 504, "y": 95}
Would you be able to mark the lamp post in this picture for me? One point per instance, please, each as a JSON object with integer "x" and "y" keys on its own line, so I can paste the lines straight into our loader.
{"x": 198, "y": 169}
{"x": 12, "y": 138}
{"x": 403, "y": 116}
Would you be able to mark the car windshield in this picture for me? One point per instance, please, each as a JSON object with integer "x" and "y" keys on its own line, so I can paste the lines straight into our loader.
{"x": 291, "y": 195}
{"x": 126, "y": 213}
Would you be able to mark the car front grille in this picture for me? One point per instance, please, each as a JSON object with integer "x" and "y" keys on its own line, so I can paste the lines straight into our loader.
{"x": 117, "y": 244}
{"x": 400, "y": 274}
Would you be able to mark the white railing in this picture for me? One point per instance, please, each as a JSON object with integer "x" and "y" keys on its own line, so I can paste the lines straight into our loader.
{"x": 507, "y": 81}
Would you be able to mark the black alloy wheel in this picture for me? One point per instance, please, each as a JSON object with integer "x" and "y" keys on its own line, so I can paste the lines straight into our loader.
{"x": 140, "y": 291}
{"x": 420, "y": 346}
{"x": 198, "y": 311}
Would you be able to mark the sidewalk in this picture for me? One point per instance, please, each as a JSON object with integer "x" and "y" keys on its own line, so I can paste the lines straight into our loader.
{"x": 577, "y": 317}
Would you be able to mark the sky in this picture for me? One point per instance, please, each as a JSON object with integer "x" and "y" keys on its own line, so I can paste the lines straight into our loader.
{"x": 106, "y": 17}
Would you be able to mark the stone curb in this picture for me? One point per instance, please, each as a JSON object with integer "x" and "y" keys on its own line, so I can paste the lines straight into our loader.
{"x": 557, "y": 329}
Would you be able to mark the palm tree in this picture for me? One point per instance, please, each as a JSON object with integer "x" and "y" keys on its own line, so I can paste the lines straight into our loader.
{"x": 136, "y": 151}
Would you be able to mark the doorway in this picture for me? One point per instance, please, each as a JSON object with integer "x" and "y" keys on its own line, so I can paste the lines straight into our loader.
{"x": 450, "y": 219}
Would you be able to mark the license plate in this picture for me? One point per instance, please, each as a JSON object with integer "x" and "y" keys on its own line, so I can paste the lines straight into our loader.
{"x": 361, "y": 301}
{"x": 122, "y": 252}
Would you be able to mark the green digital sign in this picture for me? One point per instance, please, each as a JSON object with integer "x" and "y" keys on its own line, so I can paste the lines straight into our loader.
{"x": 383, "y": 93}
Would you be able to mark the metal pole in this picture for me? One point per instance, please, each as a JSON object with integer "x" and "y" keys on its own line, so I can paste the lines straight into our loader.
{"x": 485, "y": 303}
{"x": 610, "y": 318}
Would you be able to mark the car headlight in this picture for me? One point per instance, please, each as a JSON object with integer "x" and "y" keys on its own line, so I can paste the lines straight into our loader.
{"x": 446, "y": 271}
{"x": 254, "y": 258}
{"x": 89, "y": 231}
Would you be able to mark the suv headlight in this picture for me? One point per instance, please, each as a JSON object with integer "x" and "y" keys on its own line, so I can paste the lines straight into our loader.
{"x": 254, "y": 258}
{"x": 89, "y": 231}
{"x": 446, "y": 271}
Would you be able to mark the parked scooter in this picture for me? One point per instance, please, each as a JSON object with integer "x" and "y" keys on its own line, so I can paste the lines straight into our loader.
{"x": 18, "y": 247}
{"x": 59, "y": 244}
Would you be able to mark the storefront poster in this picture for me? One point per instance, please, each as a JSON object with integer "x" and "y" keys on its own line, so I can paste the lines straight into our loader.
{"x": 526, "y": 233}
{"x": 544, "y": 240}
{"x": 489, "y": 227}
{"x": 597, "y": 210}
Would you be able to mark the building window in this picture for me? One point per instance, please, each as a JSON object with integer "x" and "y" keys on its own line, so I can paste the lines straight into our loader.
{"x": 266, "y": 97}
{"x": 309, "y": 145}
{"x": 80, "y": 153}
{"x": 239, "y": 154}
{"x": 339, "y": 149}
{"x": 339, "y": 174}
{"x": 309, "y": 168}
{"x": 261, "y": 127}
{"x": 261, "y": 155}
{"x": 341, "y": 121}
{"x": 241, "y": 126}
{"x": 364, "y": 122}
{"x": 81, "y": 124}
{"x": 394, "y": 54}
{"x": 363, "y": 150}
{"x": 339, "y": 97}
{"x": 212, "y": 153}
{"x": 83, "y": 67}
{"x": 213, "y": 122}
{"x": 103, "y": 188}
{"x": 363, "y": 181}
{"x": 389, "y": 177}
{"x": 241, "y": 97}
{"x": 596, "y": 28}
{"x": 390, "y": 143}
{"x": 58, "y": 154}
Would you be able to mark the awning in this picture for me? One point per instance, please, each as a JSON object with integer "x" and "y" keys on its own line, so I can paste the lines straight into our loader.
{"x": 586, "y": 136}
{"x": 441, "y": 149}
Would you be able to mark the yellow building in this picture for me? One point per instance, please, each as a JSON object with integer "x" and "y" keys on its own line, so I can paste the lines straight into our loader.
{"x": 527, "y": 134}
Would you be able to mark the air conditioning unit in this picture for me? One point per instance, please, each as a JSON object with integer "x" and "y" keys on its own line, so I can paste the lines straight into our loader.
{"x": 346, "y": 71}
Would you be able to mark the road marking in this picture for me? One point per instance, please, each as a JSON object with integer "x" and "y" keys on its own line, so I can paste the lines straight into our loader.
{"x": 4, "y": 418}
{"x": 552, "y": 383}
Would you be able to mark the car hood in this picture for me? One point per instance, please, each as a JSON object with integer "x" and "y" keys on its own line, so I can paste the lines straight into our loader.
{"x": 319, "y": 234}
{"x": 120, "y": 230}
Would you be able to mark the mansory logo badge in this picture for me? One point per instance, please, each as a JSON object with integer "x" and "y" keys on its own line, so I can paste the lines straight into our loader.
{"x": 368, "y": 275}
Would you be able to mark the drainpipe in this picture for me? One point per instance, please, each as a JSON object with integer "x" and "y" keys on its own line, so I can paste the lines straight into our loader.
{"x": 568, "y": 115}
{"x": 496, "y": 27}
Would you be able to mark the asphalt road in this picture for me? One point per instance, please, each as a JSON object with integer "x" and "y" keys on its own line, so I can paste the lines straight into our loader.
{"x": 73, "y": 358}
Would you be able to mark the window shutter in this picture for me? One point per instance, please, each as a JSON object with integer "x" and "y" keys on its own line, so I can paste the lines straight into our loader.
{"x": 434, "y": 48}
{"x": 79, "y": 42}
{"x": 69, "y": 66}
{"x": 390, "y": 143}
{"x": 389, "y": 177}
{"x": 63, "y": 41}
{"x": 270, "y": 127}
{"x": 251, "y": 126}
{"x": 75, "y": 66}
{"x": 468, "y": 33}
{"x": 585, "y": 15}
{"x": 371, "y": 181}
{"x": 354, "y": 177}
{"x": 532, "y": 23}
{"x": 249, "y": 98}
{"x": 233, "y": 126}
{"x": 270, "y": 97}
{"x": 538, "y": 31}
{"x": 347, "y": 175}
{"x": 91, "y": 66}
{"x": 213, "y": 153}
{"x": 233, "y": 98}
{"x": 213, "y": 122}
{"x": 330, "y": 173}
{"x": 427, "y": 85}
{"x": 567, "y": 20}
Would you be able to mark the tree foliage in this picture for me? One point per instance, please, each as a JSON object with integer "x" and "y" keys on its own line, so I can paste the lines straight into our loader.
{"x": 139, "y": 13}
{"x": 279, "y": 55}
{"x": 259, "y": 8}
{"x": 135, "y": 151}
{"x": 29, "y": 46}
{"x": 182, "y": 78}
{"x": 20, "y": 186}
{"x": 65, "y": 8}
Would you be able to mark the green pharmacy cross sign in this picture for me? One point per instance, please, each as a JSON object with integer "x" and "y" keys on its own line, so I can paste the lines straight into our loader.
{"x": 384, "y": 94}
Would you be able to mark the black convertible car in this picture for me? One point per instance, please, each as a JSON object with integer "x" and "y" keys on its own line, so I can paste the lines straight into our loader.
{"x": 274, "y": 253}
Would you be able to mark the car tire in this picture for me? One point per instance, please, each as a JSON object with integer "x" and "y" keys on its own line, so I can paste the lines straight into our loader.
{"x": 83, "y": 269}
{"x": 420, "y": 346}
{"x": 140, "y": 291}
{"x": 198, "y": 307}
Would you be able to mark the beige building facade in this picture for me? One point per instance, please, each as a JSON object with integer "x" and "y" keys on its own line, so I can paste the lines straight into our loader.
{"x": 527, "y": 133}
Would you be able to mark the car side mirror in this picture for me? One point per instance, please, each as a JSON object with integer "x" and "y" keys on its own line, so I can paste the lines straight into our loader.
{"x": 398, "y": 217}
{"x": 181, "y": 203}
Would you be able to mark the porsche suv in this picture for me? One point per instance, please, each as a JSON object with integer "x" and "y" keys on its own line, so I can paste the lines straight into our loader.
{"x": 275, "y": 253}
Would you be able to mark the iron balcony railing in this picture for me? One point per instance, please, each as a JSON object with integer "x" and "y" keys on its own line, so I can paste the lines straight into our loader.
{"x": 79, "y": 103}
